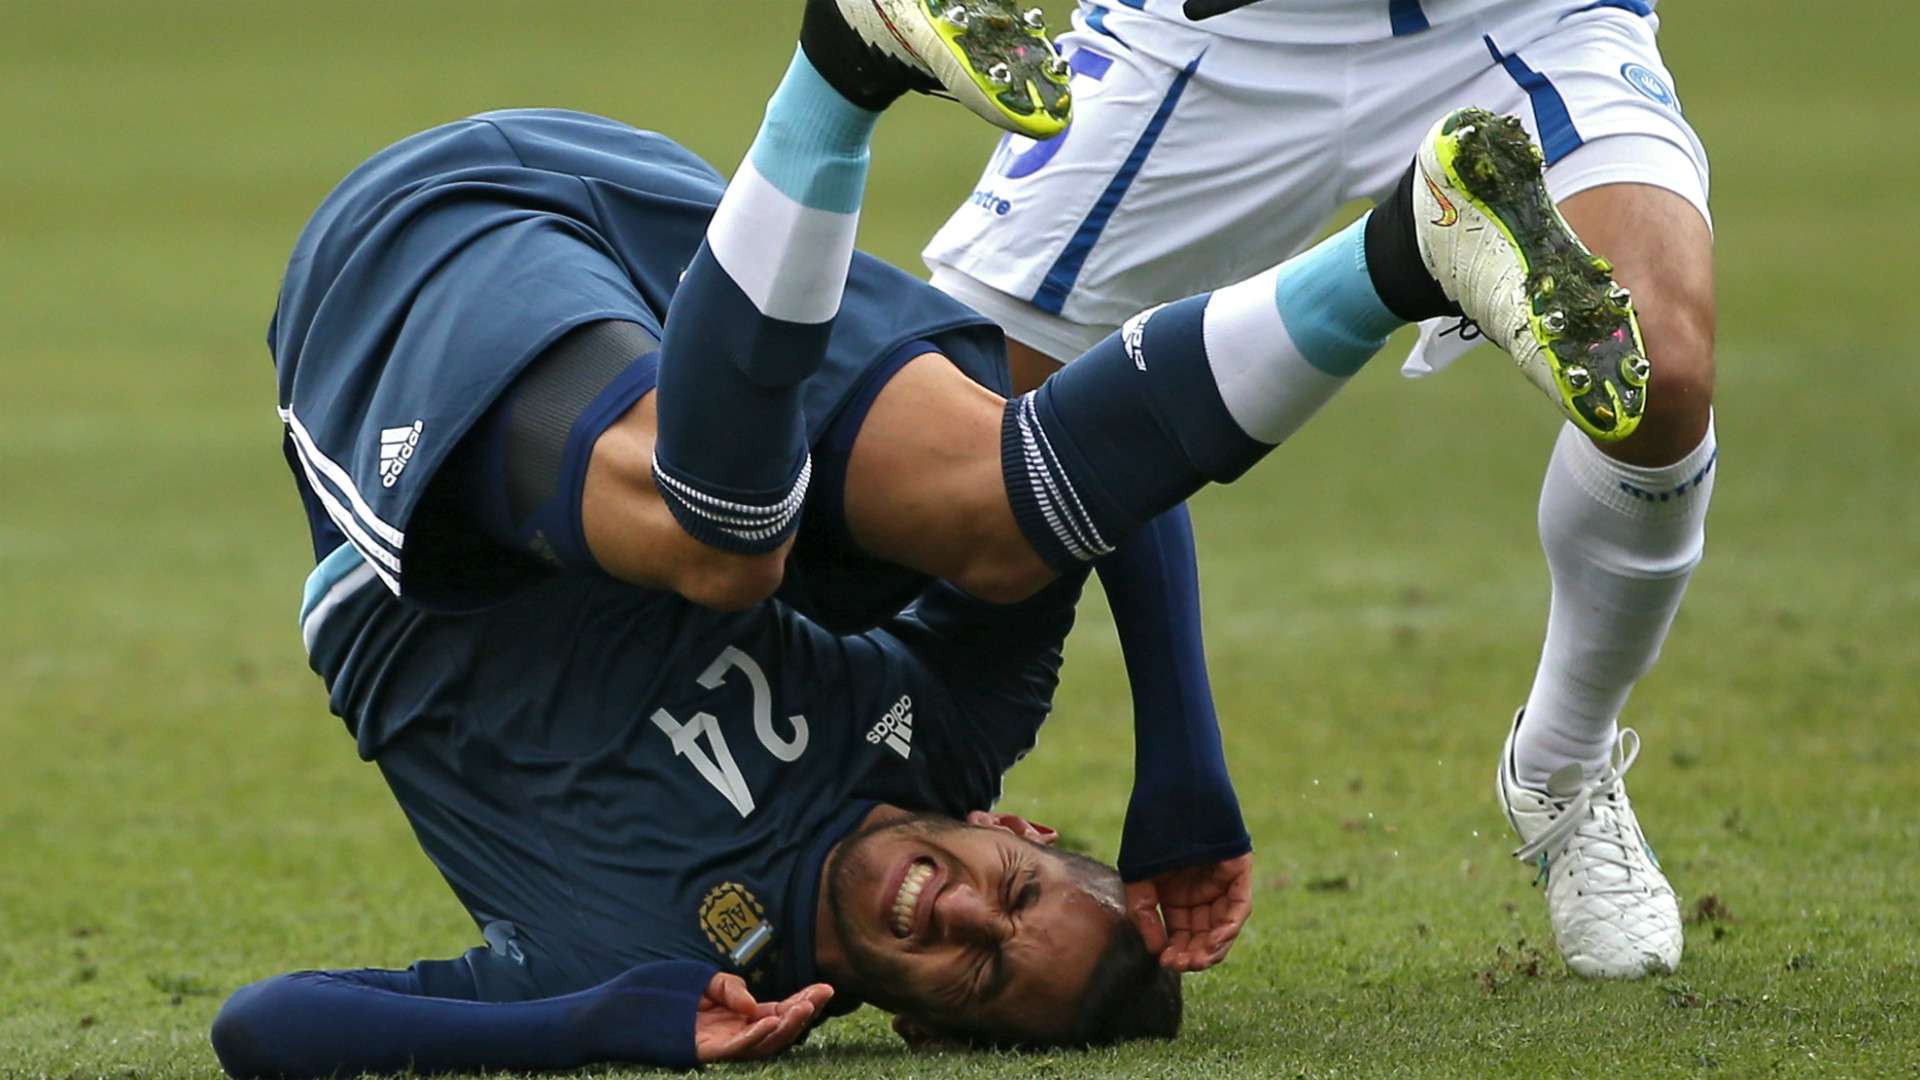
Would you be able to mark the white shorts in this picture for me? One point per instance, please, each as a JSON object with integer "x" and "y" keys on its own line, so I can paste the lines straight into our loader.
{"x": 1196, "y": 160}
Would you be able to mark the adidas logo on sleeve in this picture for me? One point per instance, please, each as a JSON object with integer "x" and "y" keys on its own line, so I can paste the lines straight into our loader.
{"x": 397, "y": 446}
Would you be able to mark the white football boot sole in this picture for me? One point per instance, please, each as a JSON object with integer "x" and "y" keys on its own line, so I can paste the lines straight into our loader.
{"x": 1492, "y": 238}
{"x": 990, "y": 55}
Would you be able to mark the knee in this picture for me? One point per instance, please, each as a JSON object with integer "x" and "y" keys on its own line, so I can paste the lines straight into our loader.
{"x": 729, "y": 581}
{"x": 242, "y": 1038}
{"x": 1678, "y": 328}
{"x": 1680, "y": 344}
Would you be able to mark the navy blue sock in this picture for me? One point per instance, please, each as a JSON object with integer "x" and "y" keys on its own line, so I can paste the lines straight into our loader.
{"x": 1110, "y": 441}
{"x": 750, "y": 321}
{"x": 1188, "y": 394}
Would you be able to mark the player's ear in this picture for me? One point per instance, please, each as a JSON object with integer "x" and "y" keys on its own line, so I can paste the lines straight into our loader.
{"x": 920, "y": 1037}
{"x": 1015, "y": 824}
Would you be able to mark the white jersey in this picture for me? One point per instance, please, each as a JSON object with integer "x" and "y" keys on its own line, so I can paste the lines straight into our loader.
{"x": 1324, "y": 22}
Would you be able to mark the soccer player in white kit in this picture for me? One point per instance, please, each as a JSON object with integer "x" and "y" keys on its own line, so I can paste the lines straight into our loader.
{"x": 1202, "y": 151}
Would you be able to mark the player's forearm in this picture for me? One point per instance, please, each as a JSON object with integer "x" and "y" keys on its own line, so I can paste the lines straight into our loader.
{"x": 317, "y": 1024}
{"x": 1183, "y": 810}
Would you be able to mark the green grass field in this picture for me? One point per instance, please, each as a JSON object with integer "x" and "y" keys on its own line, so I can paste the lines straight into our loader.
{"x": 179, "y": 815}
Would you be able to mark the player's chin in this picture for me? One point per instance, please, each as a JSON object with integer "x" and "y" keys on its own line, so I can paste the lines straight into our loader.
{"x": 860, "y": 880}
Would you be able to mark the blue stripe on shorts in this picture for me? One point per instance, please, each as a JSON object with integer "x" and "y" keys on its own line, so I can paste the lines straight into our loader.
{"x": 1558, "y": 136}
{"x": 1052, "y": 295}
{"x": 1406, "y": 16}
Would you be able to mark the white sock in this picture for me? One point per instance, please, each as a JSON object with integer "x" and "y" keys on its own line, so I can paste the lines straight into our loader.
{"x": 1621, "y": 542}
{"x": 1283, "y": 342}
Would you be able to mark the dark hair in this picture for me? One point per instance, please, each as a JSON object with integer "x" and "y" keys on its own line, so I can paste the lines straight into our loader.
{"x": 1130, "y": 996}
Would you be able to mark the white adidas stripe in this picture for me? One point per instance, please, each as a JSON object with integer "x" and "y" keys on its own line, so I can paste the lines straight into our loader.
{"x": 310, "y": 452}
{"x": 361, "y": 541}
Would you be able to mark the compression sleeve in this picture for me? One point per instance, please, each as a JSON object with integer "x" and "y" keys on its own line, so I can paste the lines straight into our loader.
{"x": 1183, "y": 811}
{"x": 344, "y": 1023}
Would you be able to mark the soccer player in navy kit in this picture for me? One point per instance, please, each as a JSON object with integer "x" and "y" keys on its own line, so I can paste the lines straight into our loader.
{"x": 688, "y": 575}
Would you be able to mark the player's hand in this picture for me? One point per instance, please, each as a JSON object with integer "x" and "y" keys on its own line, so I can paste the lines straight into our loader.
{"x": 731, "y": 1026}
{"x": 1191, "y": 916}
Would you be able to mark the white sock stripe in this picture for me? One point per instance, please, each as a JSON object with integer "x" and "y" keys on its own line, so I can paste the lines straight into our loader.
{"x": 1097, "y": 542}
{"x": 1037, "y": 483}
{"x": 1041, "y": 485}
{"x": 368, "y": 548}
{"x": 752, "y": 535}
{"x": 1043, "y": 497}
{"x": 1269, "y": 387}
{"x": 1086, "y": 544}
{"x": 739, "y": 513}
{"x": 1070, "y": 523}
{"x": 789, "y": 259}
{"x": 1043, "y": 481}
{"x": 310, "y": 452}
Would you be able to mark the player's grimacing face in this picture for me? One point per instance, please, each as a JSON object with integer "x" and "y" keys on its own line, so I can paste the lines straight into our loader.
{"x": 966, "y": 927}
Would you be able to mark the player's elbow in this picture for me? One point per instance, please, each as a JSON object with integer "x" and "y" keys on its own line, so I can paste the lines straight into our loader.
{"x": 724, "y": 581}
{"x": 242, "y": 1035}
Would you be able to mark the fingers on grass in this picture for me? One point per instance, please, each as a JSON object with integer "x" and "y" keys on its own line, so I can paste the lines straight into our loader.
{"x": 773, "y": 1034}
{"x": 746, "y": 1044}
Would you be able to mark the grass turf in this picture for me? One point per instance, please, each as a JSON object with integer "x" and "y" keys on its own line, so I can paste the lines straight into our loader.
{"x": 179, "y": 815}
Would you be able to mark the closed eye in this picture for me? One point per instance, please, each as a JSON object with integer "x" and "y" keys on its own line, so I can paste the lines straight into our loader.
{"x": 1029, "y": 893}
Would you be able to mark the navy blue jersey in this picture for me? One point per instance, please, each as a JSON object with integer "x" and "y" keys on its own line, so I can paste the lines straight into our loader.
{"x": 609, "y": 775}
{"x": 623, "y": 776}
{"x": 439, "y": 269}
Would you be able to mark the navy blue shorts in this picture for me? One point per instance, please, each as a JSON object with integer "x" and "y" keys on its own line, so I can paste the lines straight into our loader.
{"x": 436, "y": 272}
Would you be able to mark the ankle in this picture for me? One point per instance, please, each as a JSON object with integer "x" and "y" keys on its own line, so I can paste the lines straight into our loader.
{"x": 835, "y": 52}
{"x": 1392, "y": 248}
{"x": 807, "y": 107}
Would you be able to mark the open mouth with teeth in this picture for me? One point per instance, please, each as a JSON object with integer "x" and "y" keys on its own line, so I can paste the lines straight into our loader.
{"x": 906, "y": 899}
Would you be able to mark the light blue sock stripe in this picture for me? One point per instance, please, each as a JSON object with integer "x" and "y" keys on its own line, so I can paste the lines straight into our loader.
{"x": 813, "y": 143}
{"x": 342, "y": 561}
{"x": 1328, "y": 305}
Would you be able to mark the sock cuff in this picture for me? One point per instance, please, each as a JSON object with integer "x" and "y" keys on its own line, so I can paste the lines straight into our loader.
{"x": 1045, "y": 506}
{"x": 750, "y": 524}
{"x": 1635, "y": 491}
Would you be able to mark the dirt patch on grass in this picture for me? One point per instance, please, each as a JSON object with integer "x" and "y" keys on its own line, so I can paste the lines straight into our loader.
{"x": 1523, "y": 961}
{"x": 1709, "y": 910}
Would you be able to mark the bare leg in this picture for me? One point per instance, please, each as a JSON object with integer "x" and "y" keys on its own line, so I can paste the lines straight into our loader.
{"x": 925, "y": 488}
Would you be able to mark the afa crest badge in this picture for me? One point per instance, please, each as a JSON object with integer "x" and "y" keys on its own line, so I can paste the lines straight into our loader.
{"x": 735, "y": 922}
